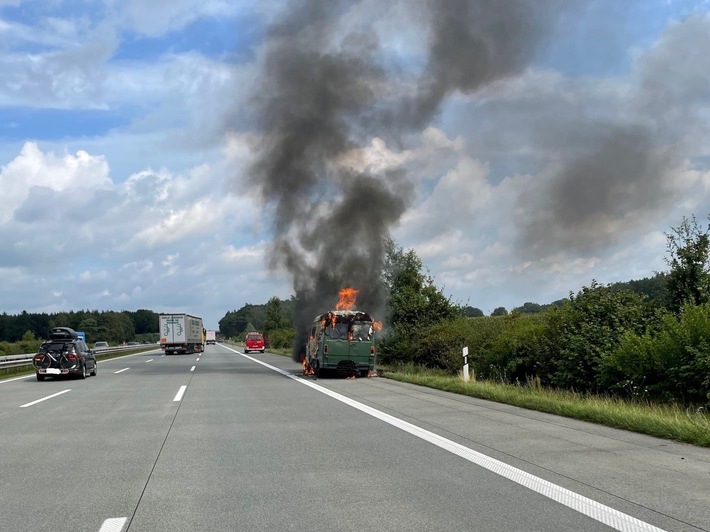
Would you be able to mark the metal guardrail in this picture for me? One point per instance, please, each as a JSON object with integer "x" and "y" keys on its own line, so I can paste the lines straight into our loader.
{"x": 18, "y": 361}
{"x": 13, "y": 361}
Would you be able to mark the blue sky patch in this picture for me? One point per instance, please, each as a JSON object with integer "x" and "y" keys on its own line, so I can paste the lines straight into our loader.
{"x": 229, "y": 39}
{"x": 33, "y": 12}
{"x": 20, "y": 123}
{"x": 589, "y": 44}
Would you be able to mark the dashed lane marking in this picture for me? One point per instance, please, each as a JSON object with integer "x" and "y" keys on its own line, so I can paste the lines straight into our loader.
{"x": 115, "y": 524}
{"x": 180, "y": 393}
{"x": 45, "y": 398}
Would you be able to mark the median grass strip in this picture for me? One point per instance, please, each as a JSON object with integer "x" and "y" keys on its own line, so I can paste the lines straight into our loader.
{"x": 663, "y": 421}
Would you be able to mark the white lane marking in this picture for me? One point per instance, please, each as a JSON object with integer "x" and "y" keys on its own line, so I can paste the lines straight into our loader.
{"x": 115, "y": 524}
{"x": 3, "y": 381}
{"x": 180, "y": 393}
{"x": 151, "y": 360}
{"x": 591, "y": 508}
{"x": 193, "y": 368}
{"x": 122, "y": 370}
{"x": 45, "y": 398}
{"x": 198, "y": 359}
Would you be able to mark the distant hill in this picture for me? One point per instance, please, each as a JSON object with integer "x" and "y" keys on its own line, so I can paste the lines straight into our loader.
{"x": 654, "y": 288}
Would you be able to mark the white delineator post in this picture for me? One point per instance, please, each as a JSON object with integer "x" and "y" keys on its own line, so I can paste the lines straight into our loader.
{"x": 466, "y": 376}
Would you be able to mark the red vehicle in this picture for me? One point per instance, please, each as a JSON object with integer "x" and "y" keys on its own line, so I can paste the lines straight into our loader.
{"x": 254, "y": 341}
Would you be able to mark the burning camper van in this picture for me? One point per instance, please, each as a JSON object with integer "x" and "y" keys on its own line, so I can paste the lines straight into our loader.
{"x": 341, "y": 342}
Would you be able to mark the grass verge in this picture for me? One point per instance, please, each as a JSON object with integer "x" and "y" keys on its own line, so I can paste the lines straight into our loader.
{"x": 663, "y": 421}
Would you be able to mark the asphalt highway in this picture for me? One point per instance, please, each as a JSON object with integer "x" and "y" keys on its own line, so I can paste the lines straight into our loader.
{"x": 224, "y": 441}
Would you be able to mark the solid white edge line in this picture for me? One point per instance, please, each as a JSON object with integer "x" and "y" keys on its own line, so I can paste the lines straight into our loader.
{"x": 121, "y": 370}
{"x": 45, "y": 398}
{"x": 24, "y": 377}
{"x": 193, "y": 368}
{"x": 589, "y": 507}
{"x": 180, "y": 393}
{"x": 114, "y": 524}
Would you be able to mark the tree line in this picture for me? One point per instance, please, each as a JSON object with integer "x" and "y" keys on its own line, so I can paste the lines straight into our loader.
{"x": 275, "y": 319}
{"x": 109, "y": 326}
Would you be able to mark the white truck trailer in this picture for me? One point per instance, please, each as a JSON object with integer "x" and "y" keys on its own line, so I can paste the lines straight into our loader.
{"x": 181, "y": 333}
{"x": 211, "y": 337}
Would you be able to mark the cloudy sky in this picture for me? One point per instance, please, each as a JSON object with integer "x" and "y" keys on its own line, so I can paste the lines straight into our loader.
{"x": 183, "y": 155}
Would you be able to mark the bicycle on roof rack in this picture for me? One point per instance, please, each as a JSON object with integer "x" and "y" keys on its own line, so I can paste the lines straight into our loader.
{"x": 64, "y": 353}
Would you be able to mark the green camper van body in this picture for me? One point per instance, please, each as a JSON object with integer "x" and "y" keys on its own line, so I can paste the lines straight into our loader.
{"x": 341, "y": 342}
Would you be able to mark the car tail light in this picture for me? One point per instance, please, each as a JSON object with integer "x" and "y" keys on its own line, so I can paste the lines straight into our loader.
{"x": 72, "y": 356}
{"x": 39, "y": 357}
{"x": 372, "y": 350}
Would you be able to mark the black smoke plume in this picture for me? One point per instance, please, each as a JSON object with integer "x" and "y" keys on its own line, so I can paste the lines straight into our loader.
{"x": 615, "y": 185}
{"x": 323, "y": 92}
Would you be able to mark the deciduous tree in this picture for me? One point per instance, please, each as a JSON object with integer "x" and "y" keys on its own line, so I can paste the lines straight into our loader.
{"x": 688, "y": 247}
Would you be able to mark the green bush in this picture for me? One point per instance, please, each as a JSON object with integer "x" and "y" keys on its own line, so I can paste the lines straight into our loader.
{"x": 522, "y": 351}
{"x": 28, "y": 344}
{"x": 669, "y": 362}
{"x": 282, "y": 338}
{"x": 440, "y": 345}
{"x": 590, "y": 325}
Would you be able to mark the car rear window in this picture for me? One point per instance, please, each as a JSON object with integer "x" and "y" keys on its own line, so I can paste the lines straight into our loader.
{"x": 254, "y": 337}
{"x": 54, "y": 346}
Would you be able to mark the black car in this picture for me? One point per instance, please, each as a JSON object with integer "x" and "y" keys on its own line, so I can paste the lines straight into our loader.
{"x": 65, "y": 353}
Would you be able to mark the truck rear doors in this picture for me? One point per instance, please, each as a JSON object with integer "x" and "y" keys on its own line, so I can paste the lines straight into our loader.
{"x": 172, "y": 330}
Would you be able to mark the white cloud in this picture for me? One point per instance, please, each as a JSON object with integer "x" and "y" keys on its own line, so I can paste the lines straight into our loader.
{"x": 71, "y": 75}
{"x": 376, "y": 158}
{"x": 90, "y": 277}
{"x": 32, "y": 168}
{"x": 157, "y": 17}
{"x": 191, "y": 220}
{"x": 96, "y": 243}
{"x": 253, "y": 254}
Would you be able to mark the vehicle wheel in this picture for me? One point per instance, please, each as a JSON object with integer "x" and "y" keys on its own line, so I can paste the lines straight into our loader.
{"x": 263, "y": 350}
{"x": 40, "y": 377}
{"x": 82, "y": 375}
{"x": 93, "y": 371}
{"x": 364, "y": 373}
{"x": 316, "y": 368}
{"x": 246, "y": 351}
